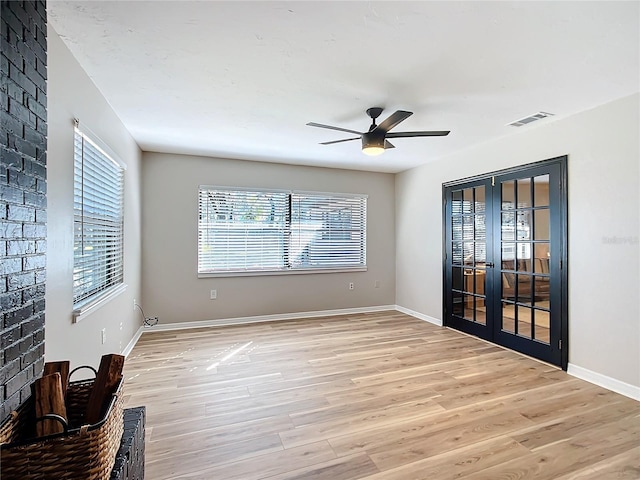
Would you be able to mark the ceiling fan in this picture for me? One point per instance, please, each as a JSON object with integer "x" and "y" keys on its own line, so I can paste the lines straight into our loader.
{"x": 374, "y": 141}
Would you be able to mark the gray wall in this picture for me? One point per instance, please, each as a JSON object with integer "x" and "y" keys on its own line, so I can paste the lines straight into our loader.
{"x": 171, "y": 289}
{"x": 604, "y": 259}
{"x": 72, "y": 94}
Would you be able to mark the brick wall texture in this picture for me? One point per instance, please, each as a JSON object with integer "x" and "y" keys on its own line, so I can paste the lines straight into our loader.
{"x": 23, "y": 197}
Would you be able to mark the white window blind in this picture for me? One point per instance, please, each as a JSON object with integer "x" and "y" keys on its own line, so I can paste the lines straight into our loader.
{"x": 243, "y": 231}
{"x": 327, "y": 231}
{"x": 98, "y": 203}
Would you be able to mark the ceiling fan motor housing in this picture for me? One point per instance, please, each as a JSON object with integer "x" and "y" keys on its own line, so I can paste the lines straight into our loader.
{"x": 375, "y": 138}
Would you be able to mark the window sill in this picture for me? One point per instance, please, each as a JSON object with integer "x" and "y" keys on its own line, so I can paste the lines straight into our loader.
{"x": 87, "y": 309}
{"x": 282, "y": 272}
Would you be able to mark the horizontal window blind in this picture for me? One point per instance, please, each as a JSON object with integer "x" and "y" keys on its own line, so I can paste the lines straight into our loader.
{"x": 98, "y": 201}
{"x": 243, "y": 231}
{"x": 327, "y": 231}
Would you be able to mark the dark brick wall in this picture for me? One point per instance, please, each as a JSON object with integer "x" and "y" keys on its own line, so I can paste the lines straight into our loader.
{"x": 23, "y": 199}
{"x": 129, "y": 464}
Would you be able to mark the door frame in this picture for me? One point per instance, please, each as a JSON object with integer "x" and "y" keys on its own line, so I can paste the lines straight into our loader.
{"x": 562, "y": 257}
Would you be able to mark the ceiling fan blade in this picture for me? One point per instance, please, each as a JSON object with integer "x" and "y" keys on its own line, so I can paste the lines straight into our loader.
{"x": 339, "y": 141}
{"x": 393, "y": 120}
{"x": 340, "y": 129}
{"x": 388, "y": 144}
{"x": 442, "y": 133}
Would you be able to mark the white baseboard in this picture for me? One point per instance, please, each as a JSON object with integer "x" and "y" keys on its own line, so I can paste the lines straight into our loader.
{"x": 420, "y": 316}
{"x": 601, "y": 380}
{"x": 266, "y": 318}
{"x": 132, "y": 343}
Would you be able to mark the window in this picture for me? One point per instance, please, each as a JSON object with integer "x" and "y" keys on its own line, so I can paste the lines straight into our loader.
{"x": 98, "y": 203}
{"x": 253, "y": 231}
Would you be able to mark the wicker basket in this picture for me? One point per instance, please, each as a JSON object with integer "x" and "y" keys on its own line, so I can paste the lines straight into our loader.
{"x": 84, "y": 452}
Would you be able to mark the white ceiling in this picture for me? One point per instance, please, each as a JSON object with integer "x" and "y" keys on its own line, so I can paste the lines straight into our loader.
{"x": 238, "y": 79}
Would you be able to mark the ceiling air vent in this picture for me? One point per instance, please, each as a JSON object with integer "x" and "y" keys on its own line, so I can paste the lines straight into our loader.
{"x": 530, "y": 118}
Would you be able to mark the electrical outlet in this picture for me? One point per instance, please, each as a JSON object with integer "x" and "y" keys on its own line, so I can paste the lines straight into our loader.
{"x": 213, "y": 295}
{"x": 351, "y": 286}
{"x": 103, "y": 336}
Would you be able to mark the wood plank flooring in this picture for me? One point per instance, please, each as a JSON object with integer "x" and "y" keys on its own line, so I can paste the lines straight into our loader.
{"x": 379, "y": 396}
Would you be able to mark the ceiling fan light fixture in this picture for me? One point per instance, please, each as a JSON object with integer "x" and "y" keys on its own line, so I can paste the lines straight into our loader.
{"x": 372, "y": 150}
{"x": 372, "y": 144}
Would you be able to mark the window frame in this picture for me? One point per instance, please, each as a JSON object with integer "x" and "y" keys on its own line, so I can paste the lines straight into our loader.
{"x": 286, "y": 268}
{"x": 109, "y": 286}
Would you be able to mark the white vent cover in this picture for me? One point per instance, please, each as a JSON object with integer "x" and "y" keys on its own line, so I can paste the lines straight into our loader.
{"x": 530, "y": 118}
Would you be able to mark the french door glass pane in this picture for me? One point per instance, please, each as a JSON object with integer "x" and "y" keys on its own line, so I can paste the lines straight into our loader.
{"x": 541, "y": 191}
{"x": 523, "y": 225}
{"x": 524, "y": 321}
{"x": 541, "y": 332}
{"x": 456, "y": 253}
{"x": 467, "y": 196}
{"x": 481, "y": 313}
{"x": 541, "y": 291}
{"x": 523, "y": 254}
{"x": 481, "y": 254}
{"x": 468, "y": 307}
{"x": 467, "y": 227}
{"x": 508, "y": 226}
{"x": 523, "y": 283}
{"x": 524, "y": 193}
{"x": 508, "y": 199}
{"x": 456, "y": 228}
{"x": 541, "y": 223}
{"x": 542, "y": 253}
{"x": 480, "y": 201}
{"x": 508, "y": 317}
{"x": 457, "y": 304}
{"x": 508, "y": 286}
{"x": 481, "y": 233}
{"x": 468, "y": 251}
{"x": 456, "y": 278}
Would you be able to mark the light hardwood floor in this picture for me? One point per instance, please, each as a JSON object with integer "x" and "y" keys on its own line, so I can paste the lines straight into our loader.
{"x": 379, "y": 396}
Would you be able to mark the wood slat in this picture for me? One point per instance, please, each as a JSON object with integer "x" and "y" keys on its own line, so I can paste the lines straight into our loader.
{"x": 108, "y": 377}
{"x": 61, "y": 367}
{"x": 376, "y": 396}
{"x": 49, "y": 399}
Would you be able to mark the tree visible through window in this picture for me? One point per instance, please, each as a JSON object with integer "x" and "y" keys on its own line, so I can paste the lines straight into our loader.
{"x": 242, "y": 231}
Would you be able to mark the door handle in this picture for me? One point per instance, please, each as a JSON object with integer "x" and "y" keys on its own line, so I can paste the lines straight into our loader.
{"x": 489, "y": 265}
